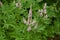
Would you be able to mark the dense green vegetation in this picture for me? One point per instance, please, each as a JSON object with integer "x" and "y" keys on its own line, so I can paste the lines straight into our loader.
{"x": 15, "y": 19}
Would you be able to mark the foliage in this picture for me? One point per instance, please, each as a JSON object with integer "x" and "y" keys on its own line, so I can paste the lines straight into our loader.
{"x": 11, "y": 19}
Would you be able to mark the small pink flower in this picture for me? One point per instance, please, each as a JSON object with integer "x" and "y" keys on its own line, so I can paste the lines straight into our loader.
{"x": 0, "y": 3}
{"x": 33, "y": 22}
{"x": 45, "y": 5}
{"x": 30, "y": 15}
{"x": 36, "y": 26}
{"x": 24, "y": 20}
{"x": 17, "y": 4}
{"x": 30, "y": 12}
{"x": 41, "y": 12}
{"x": 44, "y": 9}
{"x": 29, "y": 29}
{"x": 45, "y": 16}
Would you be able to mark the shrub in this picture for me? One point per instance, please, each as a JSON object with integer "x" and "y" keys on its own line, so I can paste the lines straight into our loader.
{"x": 14, "y": 16}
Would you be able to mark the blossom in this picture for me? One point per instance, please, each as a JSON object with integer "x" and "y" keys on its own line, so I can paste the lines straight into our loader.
{"x": 18, "y": 4}
{"x": 41, "y": 12}
{"x": 44, "y": 9}
{"x": 30, "y": 22}
{"x": 45, "y": 16}
{"x": 25, "y": 22}
{"x": 36, "y": 26}
{"x": 29, "y": 29}
{"x": 0, "y": 3}
{"x": 30, "y": 15}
